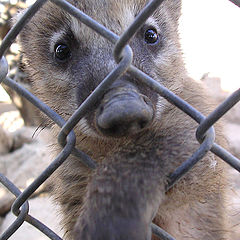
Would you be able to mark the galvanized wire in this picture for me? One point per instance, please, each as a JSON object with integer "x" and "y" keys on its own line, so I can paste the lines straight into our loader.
{"x": 66, "y": 138}
{"x": 237, "y": 2}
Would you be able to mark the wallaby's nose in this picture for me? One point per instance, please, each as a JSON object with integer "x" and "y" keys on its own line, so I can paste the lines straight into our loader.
{"x": 124, "y": 111}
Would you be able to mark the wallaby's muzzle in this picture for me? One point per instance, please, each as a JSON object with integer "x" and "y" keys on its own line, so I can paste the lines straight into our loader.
{"x": 124, "y": 111}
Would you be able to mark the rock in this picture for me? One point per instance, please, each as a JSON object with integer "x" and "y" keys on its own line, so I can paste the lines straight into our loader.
{"x": 6, "y": 141}
{"x": 41, "y": 208}
{"x": 234, "y": 114}
{"x": 232, "y": 132}
{"x": 11, "y": 120}
{"x": 232, "y": 206}
{"x": 25, "y": 164}
{"x": 214, "y": 86}
{"x": 22, "y": 136}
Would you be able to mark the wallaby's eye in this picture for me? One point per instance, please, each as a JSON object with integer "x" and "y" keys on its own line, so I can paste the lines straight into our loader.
{"x": 62, "y": 52}
{"x": 151, "y": 36}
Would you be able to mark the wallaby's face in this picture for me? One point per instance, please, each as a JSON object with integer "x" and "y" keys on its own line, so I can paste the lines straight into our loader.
{"x": 66, "y": 60}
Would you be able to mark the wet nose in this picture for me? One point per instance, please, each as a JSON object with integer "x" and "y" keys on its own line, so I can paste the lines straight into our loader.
{"x": 124, "y": 112}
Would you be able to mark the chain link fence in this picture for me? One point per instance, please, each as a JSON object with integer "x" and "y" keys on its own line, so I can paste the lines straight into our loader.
{"x": 123, "y": 56}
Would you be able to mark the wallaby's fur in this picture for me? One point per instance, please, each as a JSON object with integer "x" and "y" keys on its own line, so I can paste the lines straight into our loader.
{"x": 137, "y": 138}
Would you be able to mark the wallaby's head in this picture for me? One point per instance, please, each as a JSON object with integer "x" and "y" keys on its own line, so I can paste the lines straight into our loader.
{"x": 66, "y": 60}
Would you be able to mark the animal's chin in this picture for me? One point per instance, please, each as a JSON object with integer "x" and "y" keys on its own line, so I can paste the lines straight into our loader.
{"x": 116, "y": 132}
{"x": 130, "y": 132}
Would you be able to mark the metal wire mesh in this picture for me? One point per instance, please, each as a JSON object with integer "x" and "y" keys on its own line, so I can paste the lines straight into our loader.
{"x": 123, "y": 56}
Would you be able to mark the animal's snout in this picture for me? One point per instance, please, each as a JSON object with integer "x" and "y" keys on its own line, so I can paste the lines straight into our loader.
{"x": 124, "y": 111}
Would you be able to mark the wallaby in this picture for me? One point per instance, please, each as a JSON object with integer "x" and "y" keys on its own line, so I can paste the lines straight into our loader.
{"x": 137, "y": 138}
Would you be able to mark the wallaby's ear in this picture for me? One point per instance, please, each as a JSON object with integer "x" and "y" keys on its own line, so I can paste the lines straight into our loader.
{"x": 175, "y": 7}
{"x": 17, "y": 16}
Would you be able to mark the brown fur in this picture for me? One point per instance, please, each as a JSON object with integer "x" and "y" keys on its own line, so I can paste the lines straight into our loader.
{"x": 126, "y": 190}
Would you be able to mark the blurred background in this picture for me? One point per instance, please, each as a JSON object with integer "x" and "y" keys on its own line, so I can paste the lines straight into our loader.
{"x": 210, "y": 37}
{"x": 211, "y": 40}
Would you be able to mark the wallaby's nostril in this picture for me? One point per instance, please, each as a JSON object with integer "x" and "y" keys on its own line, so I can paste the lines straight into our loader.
{"x": 124, "y": 115}
{"x": 143, "y": 123}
